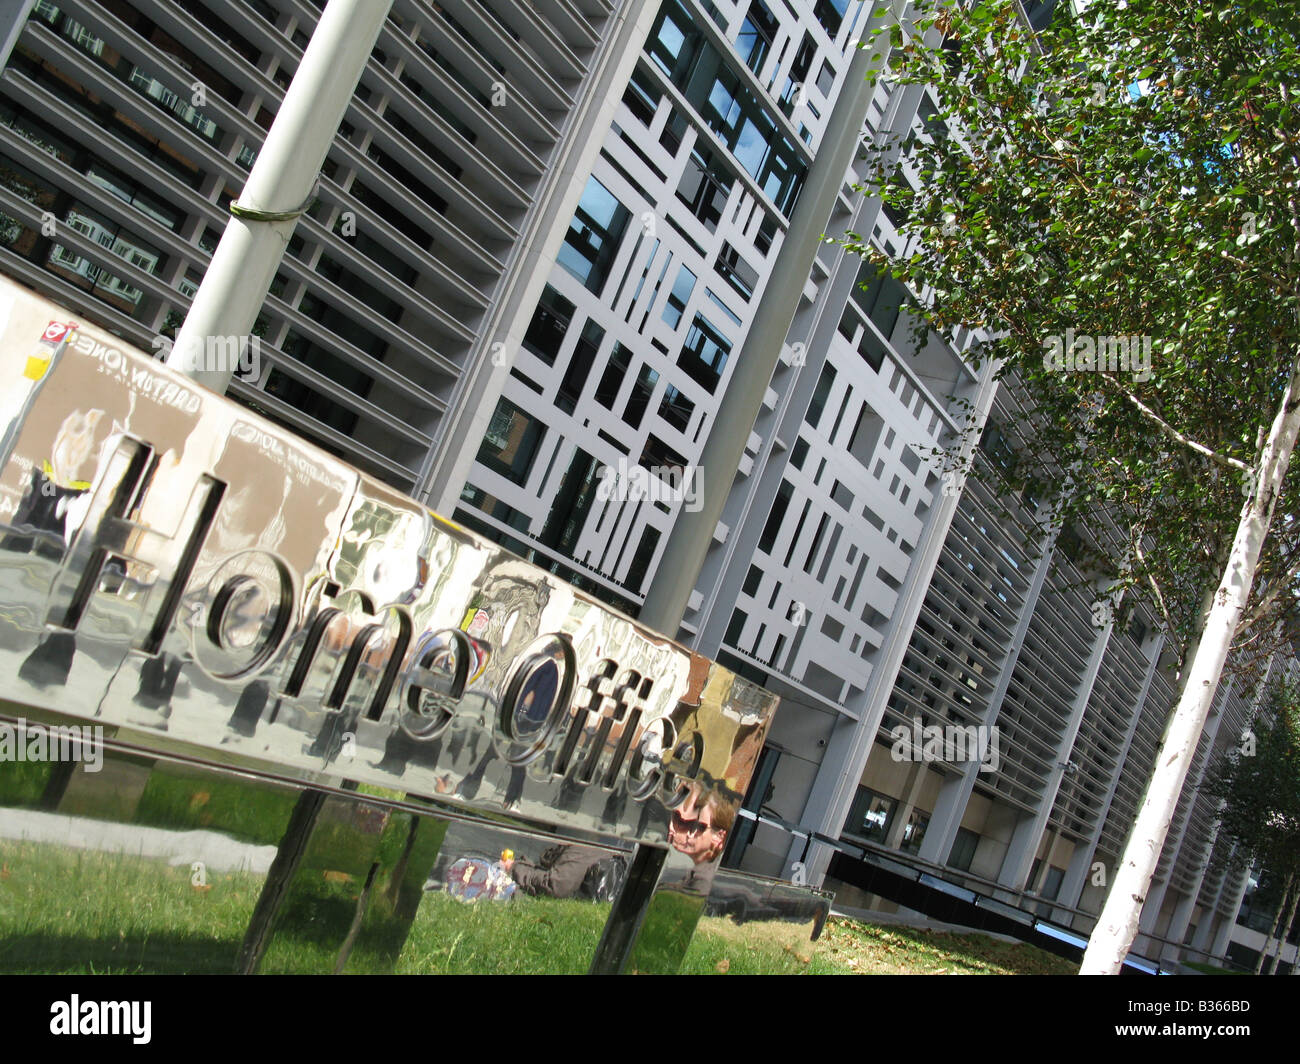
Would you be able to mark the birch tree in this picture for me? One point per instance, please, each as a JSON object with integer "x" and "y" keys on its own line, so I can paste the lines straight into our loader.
{"x": 1112, "y": 204}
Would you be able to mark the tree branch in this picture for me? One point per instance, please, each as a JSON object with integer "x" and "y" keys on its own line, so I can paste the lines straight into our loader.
{"x": 1192, "y": 445}
{"x": 1160, "y": 598}
{"x": 1262, "y": 604}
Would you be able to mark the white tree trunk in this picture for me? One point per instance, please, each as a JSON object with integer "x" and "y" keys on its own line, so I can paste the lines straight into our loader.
{"x": 1272, "y": 933}
{"x": 1285, "y": 931}
{"x": 1117, "y": 926}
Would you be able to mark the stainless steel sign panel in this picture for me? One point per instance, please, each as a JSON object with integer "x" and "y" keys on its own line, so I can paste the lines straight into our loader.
{"x": 172, "y": 564}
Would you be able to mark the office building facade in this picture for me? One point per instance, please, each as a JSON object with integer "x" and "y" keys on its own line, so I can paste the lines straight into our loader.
{"x": 527, "y": 278}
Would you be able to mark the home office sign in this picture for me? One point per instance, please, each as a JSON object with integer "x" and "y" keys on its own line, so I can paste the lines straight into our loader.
{"x": 178, "y": 567}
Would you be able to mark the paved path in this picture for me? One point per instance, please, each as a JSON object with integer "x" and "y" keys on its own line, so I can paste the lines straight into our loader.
{"x": 219, "y": 853}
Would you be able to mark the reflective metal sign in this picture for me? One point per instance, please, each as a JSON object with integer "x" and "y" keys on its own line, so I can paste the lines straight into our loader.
{"x": 174, "y": 565}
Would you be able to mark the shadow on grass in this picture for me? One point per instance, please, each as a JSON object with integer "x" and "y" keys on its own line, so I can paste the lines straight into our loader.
{"x": 49, "y": 953}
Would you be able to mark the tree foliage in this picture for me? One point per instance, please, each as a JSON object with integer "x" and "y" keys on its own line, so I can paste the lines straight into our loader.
{"x": 1258, "y": 784}
{"x": 1130, "y": 175}
{"x": 1131, "y": 172}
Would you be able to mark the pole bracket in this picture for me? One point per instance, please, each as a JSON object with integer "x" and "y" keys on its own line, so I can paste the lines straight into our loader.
{"x": 251, "y": 214}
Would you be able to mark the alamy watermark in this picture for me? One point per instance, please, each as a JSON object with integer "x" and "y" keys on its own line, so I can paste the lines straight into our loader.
{"x": 237, "y": 355}
{"x": 947, "y": 743}
{"x": 669, "y": 485}
{"x": 77, "y": 1017}
{"x": 1098, "y": 354}
{"x": 40, "y": 742}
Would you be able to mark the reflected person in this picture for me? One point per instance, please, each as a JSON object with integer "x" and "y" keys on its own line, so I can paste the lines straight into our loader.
{"x": 560, "y": 872}
{"x": 699, "y": 828}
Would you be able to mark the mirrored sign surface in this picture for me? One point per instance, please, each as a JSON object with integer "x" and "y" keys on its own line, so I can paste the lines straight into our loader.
{"x": 176, "y": 567}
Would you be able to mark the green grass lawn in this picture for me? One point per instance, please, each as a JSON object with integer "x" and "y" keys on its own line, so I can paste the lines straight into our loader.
{"x": 866, "y": 949}
{"x": 80, "y": 912}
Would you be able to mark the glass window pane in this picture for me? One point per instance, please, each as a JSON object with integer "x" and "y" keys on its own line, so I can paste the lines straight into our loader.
{"x": 511, "y": 441}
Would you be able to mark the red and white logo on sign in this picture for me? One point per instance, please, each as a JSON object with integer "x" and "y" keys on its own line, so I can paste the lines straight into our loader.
{"x": 57, "y": 331}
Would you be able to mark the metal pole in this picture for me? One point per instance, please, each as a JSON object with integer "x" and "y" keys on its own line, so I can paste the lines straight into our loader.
{"x": 278, "y": 190}
{"x": 688, "y": 542}
{"x": 628, "y": 912}
{"x": 689, "y": 539}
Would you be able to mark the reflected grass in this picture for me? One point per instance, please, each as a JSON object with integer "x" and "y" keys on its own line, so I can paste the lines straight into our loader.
{"x": 23, "y": 782}
{"x": 79, "y": 912}
{"x": 186, "y": 800}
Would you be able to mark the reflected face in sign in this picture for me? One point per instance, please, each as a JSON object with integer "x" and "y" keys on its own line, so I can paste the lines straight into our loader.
{"x": 694, "y": 831}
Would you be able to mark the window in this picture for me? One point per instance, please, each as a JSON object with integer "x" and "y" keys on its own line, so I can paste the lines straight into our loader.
{"x": 674, "y": 130}
{"x": 757, "y": 32}
{"x": 898, "y": 216}
{"x": 775, "y": 516}
{"x": 494, "y": 507}
{"x": 705, "y": 353}
{"x": 705, "y": 187}
{"x": 575, "y": 378}
{"x": 726, "y": 310}
{"x": 1039, "y": 13}
{"x": 511, "y": 441}
{"x": 914, "y": 832}
{"x": 439, "y": 157}
{"x": 870, "y": 815}
{"x": 676, "y": 409}
{"x": 830, "y": 13}
{"x": 102, "y": 231}
{"x": 118, "y": 184}
{"x": 826, "y": 80}
{"x": 820, "y": 394}
{"x": 679, "y": 297}
{"x": 382, "y": 257}
{"x": 798, "y": 73}
{"x": 593, "y": 237}
{"x": 641, "y": 97}
{"x": 963, "y": 850}
{"x": 572, "y": 503}
{"x": 871, "y": 349}
{"x": 439, "y": 108}
{"x": 620, "y": 361}
{"x": 368, "y": 294}
{"x": 881, "y": 298}
{"x": 658, "y": 455}
{"x": 640, "y": 563}
{"x": 799, "y": 454}
{"x": 849, "y": 324}
{"x": 735, "y": 627}
{"x": 997, "y": 447}
{"x": 320, "y": 408}
{"x": 389, "y": 212}
{"x": 550, "y": 322}
{"x": 714, "y": 89}
{"x": 640, "y": 397}
{"x": 736, "y": 272}
{"x": 670, "y": 44}
{"x": 932, "y": 125}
